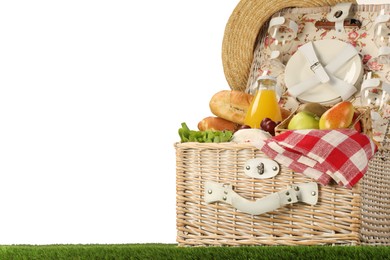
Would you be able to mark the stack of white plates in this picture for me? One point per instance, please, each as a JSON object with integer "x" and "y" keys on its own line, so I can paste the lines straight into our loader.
{"x": 298, "y": 70}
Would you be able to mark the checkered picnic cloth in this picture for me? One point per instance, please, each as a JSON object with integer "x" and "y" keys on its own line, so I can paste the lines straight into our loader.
{"x": 341, "y": 155}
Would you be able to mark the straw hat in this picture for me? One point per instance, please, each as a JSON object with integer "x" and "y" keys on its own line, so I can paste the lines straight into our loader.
{"x": 243, "y": 28}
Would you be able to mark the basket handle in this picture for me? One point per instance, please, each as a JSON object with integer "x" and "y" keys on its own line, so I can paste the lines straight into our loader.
{"x": 220, "y": 192}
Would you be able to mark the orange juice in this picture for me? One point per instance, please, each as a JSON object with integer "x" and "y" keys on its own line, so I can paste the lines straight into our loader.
{"x": 264, "y": 104}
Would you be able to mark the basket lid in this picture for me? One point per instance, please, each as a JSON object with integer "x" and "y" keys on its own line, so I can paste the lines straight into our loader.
{"x": 242, "y": 30}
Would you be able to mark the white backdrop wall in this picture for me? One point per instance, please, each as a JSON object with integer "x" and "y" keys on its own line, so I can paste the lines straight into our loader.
{"x": 92, "y": 94}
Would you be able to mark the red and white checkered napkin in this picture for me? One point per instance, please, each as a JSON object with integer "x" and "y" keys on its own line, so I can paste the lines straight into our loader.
{"x": 341, "y": 155}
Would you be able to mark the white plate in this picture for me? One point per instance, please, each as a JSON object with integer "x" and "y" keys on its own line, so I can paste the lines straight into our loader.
{"x": 298, "y": 70}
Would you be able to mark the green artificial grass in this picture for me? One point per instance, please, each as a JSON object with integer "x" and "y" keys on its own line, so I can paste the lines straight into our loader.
{"x": 172, "y": 251}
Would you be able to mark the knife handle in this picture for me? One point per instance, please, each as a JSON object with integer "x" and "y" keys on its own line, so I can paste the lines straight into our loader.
{"x": 348, "y": 23}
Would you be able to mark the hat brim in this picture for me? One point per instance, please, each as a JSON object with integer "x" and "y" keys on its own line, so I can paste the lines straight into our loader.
{"x": 242, "y": 30}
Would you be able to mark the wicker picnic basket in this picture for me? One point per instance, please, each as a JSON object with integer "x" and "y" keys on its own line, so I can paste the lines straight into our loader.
{"x": 341, "y": 216}
{"x": 334, "y": 220}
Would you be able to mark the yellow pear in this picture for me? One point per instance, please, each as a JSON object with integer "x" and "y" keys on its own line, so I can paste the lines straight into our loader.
{"x": 338, "y": 116}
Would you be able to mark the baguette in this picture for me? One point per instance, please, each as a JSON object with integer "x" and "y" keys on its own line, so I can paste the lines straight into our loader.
{"x": 217, "y": 124}
{"x": 231, "y": 105}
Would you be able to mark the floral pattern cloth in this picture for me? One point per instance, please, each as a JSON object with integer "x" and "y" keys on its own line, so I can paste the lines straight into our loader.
{"x": 361, "y": 38}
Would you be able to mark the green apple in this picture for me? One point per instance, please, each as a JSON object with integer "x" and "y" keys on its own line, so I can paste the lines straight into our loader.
{"x": 304, "y": 120}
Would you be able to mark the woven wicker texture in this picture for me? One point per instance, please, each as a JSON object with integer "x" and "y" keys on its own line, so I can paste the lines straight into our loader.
{"x": 242, "y": 30}
{"x": 334, "y": 220}
{"x": 376, "y": 201}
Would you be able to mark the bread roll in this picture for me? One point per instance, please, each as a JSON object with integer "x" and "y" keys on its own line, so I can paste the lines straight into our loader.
{"x": 231, "y": 105}
{"x": 217, "y": 124}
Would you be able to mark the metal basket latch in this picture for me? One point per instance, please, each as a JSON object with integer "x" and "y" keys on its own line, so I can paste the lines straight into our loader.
{"x": 261, "y": 168}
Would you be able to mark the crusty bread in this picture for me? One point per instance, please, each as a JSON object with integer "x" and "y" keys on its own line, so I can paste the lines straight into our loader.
{"x": 231, "y": 105}
{"x": 217, "y": 124}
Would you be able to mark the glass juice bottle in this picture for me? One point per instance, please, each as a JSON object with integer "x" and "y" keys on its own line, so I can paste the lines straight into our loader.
{"x": 264, "y": 103}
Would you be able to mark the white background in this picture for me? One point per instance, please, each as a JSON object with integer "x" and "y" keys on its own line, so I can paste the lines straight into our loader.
{"x": 92, "y": 94}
